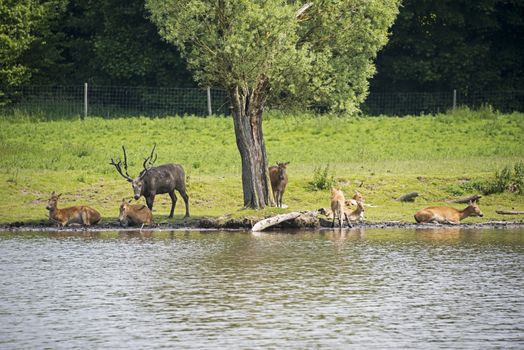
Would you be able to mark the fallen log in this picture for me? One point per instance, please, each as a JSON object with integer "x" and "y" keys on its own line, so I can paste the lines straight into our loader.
{"x": 274, "y": 220}
{"x": 510, "y": 212}
{"x": 410, "y": 197}
{"x": 473, "y": 198}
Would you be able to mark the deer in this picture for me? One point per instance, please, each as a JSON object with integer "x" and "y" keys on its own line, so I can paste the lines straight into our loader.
{"x": 357, "y": 214}
{"x": 357, "y": 197}
{"x": 447, "y": 215}
{"x": 134, "y": 214}
{"x": 278, "y": 178}
{"x": 153, "y": 180}
{"x": 338, "y": 206}
{"x": 82, "y": 215}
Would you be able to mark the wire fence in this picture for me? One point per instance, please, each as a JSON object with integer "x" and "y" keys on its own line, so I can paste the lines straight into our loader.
{"x": 114, "y": 101}
{"x": 416, "y": 103}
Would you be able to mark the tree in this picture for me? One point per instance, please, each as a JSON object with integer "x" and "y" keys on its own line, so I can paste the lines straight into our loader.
{"x": 472, "y": 46}
{"x": 261, "y": 51}
{"x": 24, "y": 25}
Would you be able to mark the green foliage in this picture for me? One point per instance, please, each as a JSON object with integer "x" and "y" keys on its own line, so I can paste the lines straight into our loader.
{"x": 466, "y": 45}
{"x": 388, "y": 156}
{"x": 322, "y": 56}
{"x": 509, "y": 179}
{"x": 322, "y": 180}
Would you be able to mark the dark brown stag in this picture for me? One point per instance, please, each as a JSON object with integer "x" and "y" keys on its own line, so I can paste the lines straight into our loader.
{"x": 278, "y": 177}
{"x": 156, "y": 180}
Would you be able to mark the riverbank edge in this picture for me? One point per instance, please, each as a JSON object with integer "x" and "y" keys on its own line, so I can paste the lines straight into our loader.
{"x": 245, "y": 224}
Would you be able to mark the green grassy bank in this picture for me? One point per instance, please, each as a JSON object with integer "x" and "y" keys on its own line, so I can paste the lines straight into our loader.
{"x": 382, "y": 157}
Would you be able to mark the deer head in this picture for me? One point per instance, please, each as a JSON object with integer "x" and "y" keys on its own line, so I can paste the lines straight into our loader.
{"x": 282, "y": 170}
{"x": 473, "y": 209}
{"x": 53, "y": 201}
{"x": 137, "y": 182}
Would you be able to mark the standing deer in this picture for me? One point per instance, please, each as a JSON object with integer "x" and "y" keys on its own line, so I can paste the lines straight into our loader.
{"x": 278, "y": 177}
{"x": 134, "y": 214}
{"x": 73, "y": 215}
{"x": 338, "y": 206}
{"x": 447, "y": 215}
{"x": 156, "y": 180}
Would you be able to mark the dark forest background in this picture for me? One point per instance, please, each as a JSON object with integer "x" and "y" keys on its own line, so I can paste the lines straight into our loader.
{"x": 442, "y": 45}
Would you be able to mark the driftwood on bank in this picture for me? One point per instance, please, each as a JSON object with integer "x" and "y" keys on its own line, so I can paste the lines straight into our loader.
{"x": 473, "y": 198}
{"x": 409, "y": 197}
{"x": 274, "y": 220}
{"x": 510, "y": 212}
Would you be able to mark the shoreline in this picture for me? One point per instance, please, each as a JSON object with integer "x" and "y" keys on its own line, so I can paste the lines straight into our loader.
{"x": 245, "y": 224}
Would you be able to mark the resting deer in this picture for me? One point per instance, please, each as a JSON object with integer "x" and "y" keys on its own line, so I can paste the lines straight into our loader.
{"x": 337, "y": 207}
{"x": 156, "y": 180}
{"x": 278, "y": 177}
{"x": 357, "y": 197}
{"x": 134, "y": 214}
{"x": 82, "y": 215}
{"x": 447, "y": 215}
{"x": 357, "y": 214}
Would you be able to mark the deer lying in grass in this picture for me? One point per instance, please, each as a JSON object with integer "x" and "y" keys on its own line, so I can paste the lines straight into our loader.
{"x": 357, "y": 197}
{"x": 338, "y": 206}
{"x": 73, "y": 215}
{"x": 357, "y": 214}
{"x": 278, "y": 178}
{"x": 447, "y": 215}
{"x": 134, "y": 214}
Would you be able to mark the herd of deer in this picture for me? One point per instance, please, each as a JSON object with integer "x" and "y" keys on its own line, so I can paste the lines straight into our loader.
{"x": 170, "y": 177}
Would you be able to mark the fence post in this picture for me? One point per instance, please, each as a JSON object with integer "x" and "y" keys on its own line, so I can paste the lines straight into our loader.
{"x": 454, "y": 99}
{"x": 209, "y": 110}
{"x": 85, "y": 101}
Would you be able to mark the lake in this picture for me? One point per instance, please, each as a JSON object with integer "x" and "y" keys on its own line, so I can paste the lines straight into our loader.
{"x": 372, "y": 288}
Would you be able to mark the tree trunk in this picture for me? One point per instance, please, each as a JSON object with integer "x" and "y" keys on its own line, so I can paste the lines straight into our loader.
{"x": 248, "y": 106}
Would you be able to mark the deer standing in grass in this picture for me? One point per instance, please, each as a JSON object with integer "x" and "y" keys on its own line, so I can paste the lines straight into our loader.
{"x": 134, "y": 214}
{"x": 338, "y": 206}
{"x": 278, "y": 177}
{"x": 447, "y": 215}
{"x": 156, "y": 180}
{"x": 82, "y": 215}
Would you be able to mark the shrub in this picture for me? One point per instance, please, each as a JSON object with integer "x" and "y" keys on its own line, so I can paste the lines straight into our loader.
{"x": 507, "y": 180}
{"x": 322, "y": 180}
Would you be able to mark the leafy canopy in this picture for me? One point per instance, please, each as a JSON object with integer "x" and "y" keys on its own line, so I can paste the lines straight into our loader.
{"x": 321, "y": 56}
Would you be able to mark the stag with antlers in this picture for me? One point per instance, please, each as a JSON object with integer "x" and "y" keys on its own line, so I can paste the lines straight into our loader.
{"x": 156, "y": 180}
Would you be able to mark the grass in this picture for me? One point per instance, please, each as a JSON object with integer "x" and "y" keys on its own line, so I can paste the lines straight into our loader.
{"x": 382, "y": 157}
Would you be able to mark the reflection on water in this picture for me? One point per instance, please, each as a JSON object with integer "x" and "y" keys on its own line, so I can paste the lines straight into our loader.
{"x": 431, "y": 288}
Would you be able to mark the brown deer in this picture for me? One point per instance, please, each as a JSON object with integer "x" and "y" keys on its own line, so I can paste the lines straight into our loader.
{"x": 278, "y": 178}
{"x": 134, "y": 214}
{"x": 447, "y": 215}
{"x": 357, "y": 214}
{"x": 357, "y": 197}
{"x": 82, "y": 215}
{"x": 156, "y": 180}
{"x": 338, "y": 206}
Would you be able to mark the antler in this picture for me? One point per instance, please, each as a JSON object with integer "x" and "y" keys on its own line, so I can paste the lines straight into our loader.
{"x": 118, "y": 166}
{"x": 149, "y": 161}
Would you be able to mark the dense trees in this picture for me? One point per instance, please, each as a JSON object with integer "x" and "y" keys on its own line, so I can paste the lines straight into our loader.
{"x": 435, "y": 45}
{"x": 108, "y": 42}
{"x": 443, "y": 45}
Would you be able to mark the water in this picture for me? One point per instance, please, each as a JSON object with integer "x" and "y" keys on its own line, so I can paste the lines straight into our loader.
{"x": 360, "y": 289}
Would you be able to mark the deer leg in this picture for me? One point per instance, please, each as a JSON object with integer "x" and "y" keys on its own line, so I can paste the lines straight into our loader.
{"x": 173, "y": 202}
{"x": 149, "y": 201}
{"x": 185, "y": 197}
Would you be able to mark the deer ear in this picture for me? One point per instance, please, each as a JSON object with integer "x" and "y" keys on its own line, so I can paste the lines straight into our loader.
{"x": 129, "y": 201}
{"x": 286, "y": 163}
{"x": 59, "y": 195}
